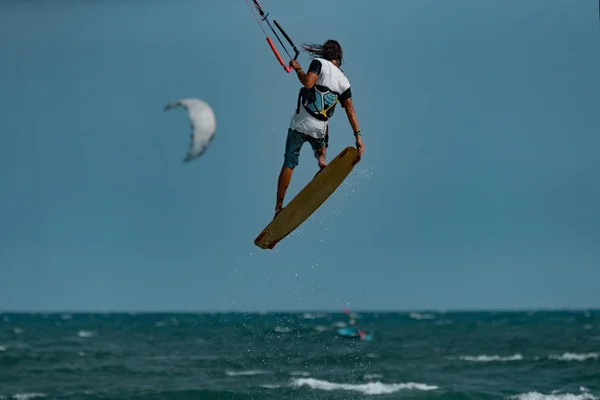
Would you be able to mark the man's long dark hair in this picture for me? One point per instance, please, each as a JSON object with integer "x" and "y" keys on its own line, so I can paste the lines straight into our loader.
{"x": 330, "y": 50}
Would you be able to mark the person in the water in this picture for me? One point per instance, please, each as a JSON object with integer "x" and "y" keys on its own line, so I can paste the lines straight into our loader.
{"x": 361, "y": 333}
{"x": 323, "y": 86}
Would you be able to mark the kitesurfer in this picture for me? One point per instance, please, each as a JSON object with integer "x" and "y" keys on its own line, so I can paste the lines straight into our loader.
{"x": 323, "y": 86}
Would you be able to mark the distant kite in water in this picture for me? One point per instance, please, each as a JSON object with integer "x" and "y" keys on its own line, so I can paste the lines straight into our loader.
{"x": 203, "y": 124}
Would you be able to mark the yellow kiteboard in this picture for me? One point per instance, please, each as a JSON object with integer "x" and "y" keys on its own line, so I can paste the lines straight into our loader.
{"x": 308, "y": 200}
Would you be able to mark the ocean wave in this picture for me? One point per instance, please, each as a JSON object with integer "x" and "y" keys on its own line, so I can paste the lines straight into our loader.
{"x": 565, "y": 396}
{"x": 85, "y": 334}
{"x": 270, "y": 386}
{"x": 246, "y": 373}
{"x": 3, "y": 348}
{"x": 300, "y": 373}
{"x": 584, "y": 395}
{"x": 575, "y": 357}
{"x": 371, "y": 388}
{"x": 518, "y": 357}
{"x": 27, "y": 396}
{"x": 486, "y": 358}
{"x": 309, "y": 315}
{"x": 421, "y": 316}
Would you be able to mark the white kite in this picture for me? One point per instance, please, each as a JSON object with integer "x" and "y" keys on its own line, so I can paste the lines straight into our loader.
{"x": 203, "y": 124}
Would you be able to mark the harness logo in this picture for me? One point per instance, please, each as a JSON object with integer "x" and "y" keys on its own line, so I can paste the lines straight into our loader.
{"x": 319, "y": 101}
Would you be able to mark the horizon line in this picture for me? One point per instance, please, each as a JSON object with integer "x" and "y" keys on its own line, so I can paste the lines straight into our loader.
{"x": 296, "y": 311}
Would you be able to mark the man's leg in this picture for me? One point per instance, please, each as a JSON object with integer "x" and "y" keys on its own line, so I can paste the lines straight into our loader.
{"x": 319, "y": 147}
{"x": 293, "y": 144}
{"x": 285, "y": 176}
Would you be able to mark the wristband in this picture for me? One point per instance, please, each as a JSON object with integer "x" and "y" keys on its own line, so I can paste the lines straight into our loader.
{"x": 299, "y": 70}
{"x": 357, "y": 133}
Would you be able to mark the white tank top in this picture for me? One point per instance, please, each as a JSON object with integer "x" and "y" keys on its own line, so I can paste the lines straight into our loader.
{"x": 331, "y": 78}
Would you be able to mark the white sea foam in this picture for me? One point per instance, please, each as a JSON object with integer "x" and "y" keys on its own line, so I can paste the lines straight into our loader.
{"x": 246, "y": 373}
{"x": 369, "y": 377}
{"x": 518, "y": 357}
{"x": 85, "y": 334}
{"x": 27, "y": 396}
{"x": 486, "y": 358}
{"x": 584, "y": 395}
{"x": 565, "y": 396}
{"x": 419, "y": 316}
{"x": 308, "y": 315}
{"x": 300, "y": 373}
{"x": 575, "y": 357}
{"x": 3, "y": 348}
{"x": 371, "y": 388}
{"x": 270, "y": 386}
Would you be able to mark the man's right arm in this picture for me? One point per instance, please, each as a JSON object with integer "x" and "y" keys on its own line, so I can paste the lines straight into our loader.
{"x": 349, "y": 107}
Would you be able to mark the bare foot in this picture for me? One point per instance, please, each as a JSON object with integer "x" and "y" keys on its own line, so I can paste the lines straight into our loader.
{"x": 319, "y": 171}
{"x": 277, "y": 211}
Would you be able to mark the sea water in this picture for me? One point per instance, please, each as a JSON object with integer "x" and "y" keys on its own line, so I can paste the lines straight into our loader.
{"x": 413, "y": 355}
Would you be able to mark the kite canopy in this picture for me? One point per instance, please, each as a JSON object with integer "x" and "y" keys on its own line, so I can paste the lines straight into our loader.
{"x": 203, "y": 125}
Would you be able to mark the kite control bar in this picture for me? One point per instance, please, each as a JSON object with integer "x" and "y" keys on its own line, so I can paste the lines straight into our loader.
{"x": 264, "y": 17}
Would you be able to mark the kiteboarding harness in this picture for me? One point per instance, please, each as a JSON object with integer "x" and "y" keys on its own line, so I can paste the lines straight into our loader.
{"x": 319, "y": 101}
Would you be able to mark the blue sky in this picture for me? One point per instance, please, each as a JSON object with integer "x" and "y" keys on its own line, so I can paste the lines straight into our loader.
{"x": 478, "y": 189}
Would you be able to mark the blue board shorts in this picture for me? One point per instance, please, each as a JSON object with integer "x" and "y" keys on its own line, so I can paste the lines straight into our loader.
{"x": 294, "y": 143}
